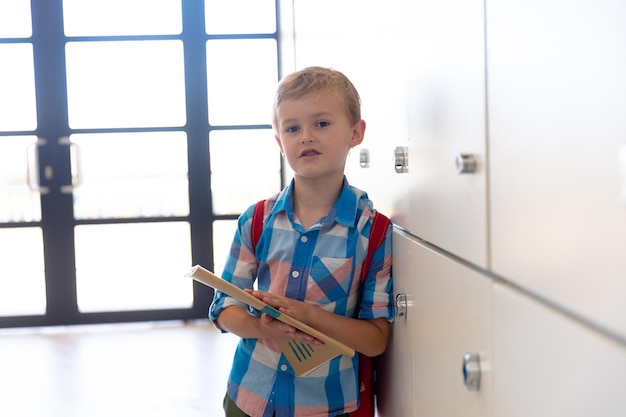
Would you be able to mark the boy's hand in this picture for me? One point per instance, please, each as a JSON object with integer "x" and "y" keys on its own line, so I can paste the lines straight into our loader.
{"x": 288, "y": 306}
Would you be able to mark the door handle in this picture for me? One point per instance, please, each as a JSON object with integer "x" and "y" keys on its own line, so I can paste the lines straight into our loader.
{"x": 76, "y": 166}
{"x": 32, "y": 168}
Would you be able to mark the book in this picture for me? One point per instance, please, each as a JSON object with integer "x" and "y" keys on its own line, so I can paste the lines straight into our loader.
{"x": 303, "y": 356}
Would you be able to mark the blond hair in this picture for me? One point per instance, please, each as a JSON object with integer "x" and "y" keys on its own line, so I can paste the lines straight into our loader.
{"x": 316, "y": 81}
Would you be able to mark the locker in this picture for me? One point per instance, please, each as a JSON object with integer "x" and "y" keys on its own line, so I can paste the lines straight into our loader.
{"x": 557, "y": 100}
{"x": 396, "y": 380}
{"x": 548, "y": 365}
{"x": 446, "y": 122}
{"x": 506, "y": 180}
{"x": 449, "y": 322}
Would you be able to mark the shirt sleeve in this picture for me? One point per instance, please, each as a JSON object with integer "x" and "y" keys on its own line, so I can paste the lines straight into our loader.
{"x": 240, "y": 268}
{"x": 377, "y": 298}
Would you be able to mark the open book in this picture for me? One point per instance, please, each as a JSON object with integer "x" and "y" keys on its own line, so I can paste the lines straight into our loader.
{"x": 303, "y": 356}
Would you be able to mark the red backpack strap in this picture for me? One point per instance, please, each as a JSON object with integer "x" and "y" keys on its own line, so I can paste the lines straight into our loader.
{"x": 378, "y": 231}
{"x": 257, "y": 223}
{"x": 367, "y": 391}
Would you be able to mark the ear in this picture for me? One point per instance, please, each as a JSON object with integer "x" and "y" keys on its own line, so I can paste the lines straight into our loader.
{"x": 358, "y": 133}
{"x": 280, "y": 144}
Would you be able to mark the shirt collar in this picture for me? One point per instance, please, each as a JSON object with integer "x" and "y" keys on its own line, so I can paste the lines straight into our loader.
{"x": 344, "y": 210}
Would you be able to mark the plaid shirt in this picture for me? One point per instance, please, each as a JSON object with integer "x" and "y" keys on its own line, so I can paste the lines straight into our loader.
{"x": 321, "y": 266}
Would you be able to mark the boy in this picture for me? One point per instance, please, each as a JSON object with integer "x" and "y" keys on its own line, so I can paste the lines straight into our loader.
{"x": 307, "y": 261}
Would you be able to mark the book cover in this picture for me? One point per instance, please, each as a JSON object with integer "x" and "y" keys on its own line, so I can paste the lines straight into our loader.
{"x": 302, "y": 356}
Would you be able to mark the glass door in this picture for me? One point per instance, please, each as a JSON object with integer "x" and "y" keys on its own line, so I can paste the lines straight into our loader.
{"x": 22, "y": 271}
{"x": 135, "y": 133}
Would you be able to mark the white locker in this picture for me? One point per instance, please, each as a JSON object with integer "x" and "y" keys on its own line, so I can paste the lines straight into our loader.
{"x": 557, "y": 128}
{"x": 521, "y": 260}
{"x": 446, "y": 120}
{"x": 452, "y": 317}
{"x": 449, "y": 317}
{"x": 397, "y": 389}
{"x": 547, "y": 365}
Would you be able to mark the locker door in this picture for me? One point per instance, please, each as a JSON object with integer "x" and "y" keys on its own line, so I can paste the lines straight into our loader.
{"x": 453, "y": 318}
{"x": 557, "y": 139}
{"x": 396, "y": 381}
{"x": 548, "y": 365}
{"x": 446, "y": 116}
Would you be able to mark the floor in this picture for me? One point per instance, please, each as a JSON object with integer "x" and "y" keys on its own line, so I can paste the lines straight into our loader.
{"x": 134, "y": 370}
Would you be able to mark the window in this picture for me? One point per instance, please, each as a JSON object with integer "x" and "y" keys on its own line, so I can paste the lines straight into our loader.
{"x": 132, "y": 134}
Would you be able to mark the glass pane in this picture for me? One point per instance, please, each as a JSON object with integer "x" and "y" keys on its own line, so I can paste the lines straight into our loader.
{"x": 17, "y": 88}
{"x": 22, "y": 281}
{"x": 15, "y": 19}
{"x": 245, "y": 168}
{"x": 240, "y": 16}
{"x": 125, "y": 84}
{"x": 18, "y": 202}
{"x": 242, "y": 78}
{"x": 144, "y": 266}
{"x": 223, "y": 234}
{"x": 122, "y": 17}
{"x": 131, "y": 175}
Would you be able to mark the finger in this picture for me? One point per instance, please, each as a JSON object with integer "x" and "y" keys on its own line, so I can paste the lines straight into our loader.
{"x": 266, "y": 318}
{"x": 255, "y": 294}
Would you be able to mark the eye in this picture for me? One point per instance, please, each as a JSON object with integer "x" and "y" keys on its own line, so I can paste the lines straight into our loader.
{"x": 323, "y": 124}
{"x": 292, "y": 129}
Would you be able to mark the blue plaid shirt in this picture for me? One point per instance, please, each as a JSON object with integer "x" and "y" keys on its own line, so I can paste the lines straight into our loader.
{"x": 321, "y": 266}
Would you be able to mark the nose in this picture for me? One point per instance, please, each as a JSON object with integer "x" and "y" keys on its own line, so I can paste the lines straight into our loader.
{"x": 307, "y": 136}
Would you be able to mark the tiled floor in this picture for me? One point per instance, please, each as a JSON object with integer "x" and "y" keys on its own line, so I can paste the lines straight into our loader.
{"x": 134, "y": 370}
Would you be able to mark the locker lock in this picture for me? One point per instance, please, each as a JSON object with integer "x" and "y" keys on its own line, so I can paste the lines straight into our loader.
{"x": 364, "y": 158}
{"x": 471, "y": 371}
{"x": 401, "y": 159}
{"x": 465, "y": 163}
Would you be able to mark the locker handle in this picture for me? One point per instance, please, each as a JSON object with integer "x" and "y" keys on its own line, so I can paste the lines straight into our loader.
{"x": 364, "y": 158}
{"x": 401, "y": 159}
{"x": 401, "y": 306}
{"x": 471, "y": 371}
{"x": 465, "y": 163}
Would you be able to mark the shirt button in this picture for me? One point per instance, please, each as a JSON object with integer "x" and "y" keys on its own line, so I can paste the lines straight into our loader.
{"x": 295, "y": 274}
{"x": 304, "y": 239}
{"x": 283, "y": 367}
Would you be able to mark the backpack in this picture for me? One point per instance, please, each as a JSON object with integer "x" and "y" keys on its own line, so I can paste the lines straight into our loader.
{"x": 367, "y": 374}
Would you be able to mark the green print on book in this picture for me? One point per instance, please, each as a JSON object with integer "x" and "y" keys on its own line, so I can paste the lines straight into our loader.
{"x": 301, "y": 350}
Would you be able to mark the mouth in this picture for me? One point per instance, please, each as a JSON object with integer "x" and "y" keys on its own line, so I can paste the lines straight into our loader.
{"x": 308, "y": 152}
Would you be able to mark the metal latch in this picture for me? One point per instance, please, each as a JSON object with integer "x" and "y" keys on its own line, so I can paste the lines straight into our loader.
{"x": 401, "y": 159}
{"x": 471, "y": 371}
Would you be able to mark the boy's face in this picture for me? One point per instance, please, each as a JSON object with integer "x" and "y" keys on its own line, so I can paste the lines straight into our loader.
{"x": 315, "y": 135}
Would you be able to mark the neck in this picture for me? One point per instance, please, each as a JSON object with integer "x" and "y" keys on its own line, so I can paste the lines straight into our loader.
{"x": 314, "y": 199}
